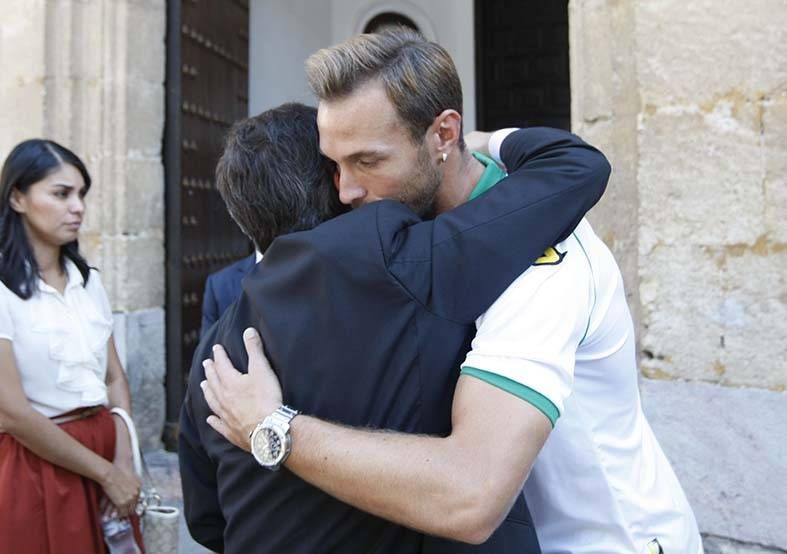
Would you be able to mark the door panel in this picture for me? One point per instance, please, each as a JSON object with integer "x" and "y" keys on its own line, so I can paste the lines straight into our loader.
{"x": 207, "y": 90}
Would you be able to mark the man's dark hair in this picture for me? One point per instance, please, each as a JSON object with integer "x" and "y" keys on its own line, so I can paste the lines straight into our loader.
{"x": 272, "y": 176}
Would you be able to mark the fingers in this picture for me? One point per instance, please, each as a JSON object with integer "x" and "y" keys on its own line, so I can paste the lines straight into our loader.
{"x": 219, "y": 426}
{"x": 106, "y": 507}
{"x": 222, "y": 363}
{"x": 124, "y": 511}
{"x": 257, "y": 360}
{"x": 211, "y": 398}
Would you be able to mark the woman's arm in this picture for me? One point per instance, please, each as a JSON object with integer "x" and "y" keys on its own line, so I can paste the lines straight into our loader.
{"x": 117, "y": 384}
{"x": 45, "y": 439}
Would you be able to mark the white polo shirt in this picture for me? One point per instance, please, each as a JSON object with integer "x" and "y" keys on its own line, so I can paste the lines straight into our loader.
{"x": 60, "y": 342}
{"x": 561, "y": 337}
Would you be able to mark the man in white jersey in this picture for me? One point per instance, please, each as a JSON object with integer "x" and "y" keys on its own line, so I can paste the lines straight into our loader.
{"x": 561, "y": 337}
{"x": 549, "y": 388}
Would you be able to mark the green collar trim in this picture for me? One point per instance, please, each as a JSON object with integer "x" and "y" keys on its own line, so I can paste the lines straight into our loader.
{"x": 492, "y": 174}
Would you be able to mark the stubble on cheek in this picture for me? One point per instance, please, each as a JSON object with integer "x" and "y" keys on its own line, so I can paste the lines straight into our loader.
{"x": 419, "y": 191}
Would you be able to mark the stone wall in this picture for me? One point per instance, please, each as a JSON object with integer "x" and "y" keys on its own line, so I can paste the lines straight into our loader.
{"x": 90, "y": 74}
{"x": 689, "y": 100}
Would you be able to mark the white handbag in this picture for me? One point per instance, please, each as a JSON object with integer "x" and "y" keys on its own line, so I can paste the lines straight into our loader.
{"x": 160, "y": 524}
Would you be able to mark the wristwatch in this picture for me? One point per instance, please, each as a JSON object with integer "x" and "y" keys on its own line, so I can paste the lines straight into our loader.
{"x": 271, "y": 441}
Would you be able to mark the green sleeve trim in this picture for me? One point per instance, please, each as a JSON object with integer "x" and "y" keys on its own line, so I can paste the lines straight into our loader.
{"x": 541, "y": 402}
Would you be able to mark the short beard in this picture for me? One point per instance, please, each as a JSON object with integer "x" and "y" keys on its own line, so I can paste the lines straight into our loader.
{"x": 419, "y": 190}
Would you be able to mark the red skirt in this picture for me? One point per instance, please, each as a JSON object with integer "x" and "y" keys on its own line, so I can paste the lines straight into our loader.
{"x": 45, "y": 509}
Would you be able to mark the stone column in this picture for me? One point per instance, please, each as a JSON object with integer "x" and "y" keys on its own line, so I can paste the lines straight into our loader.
{"x": 90, "y": 74}
{"x": 689, "y": 100}
{"x": 604, "y": 110}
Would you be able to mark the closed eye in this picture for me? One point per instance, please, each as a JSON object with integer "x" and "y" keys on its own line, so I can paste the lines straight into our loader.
{"x": 368, "y": 163}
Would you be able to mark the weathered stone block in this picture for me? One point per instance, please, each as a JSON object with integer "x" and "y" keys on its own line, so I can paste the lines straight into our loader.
{"x": 89, "y": 35}
{"x": 681, "y": 291}
{"x": 145, "y": 117}
{"x": 90, "y": 245}
{"x": 140, "y": 340}
{"x": 753, "y": 315}
{"x": 22, "y": 76}
{"x": 590, "y": 36}
{"x": 24, "y": 117}
{"x": 146, "y": 54}
{"x": 112, "y": 172}
{"x": 143, "y": 272}
{"x": 143, "y": 208}
{"x": 615, "y": 217}
{"x": 86, "y": 136}
{"x": 697, "y": 52}
{"x": 774, "y": 133}
{"x": 715, "y": 314}
{"x": 727, "y": 447}
{"x": 97, "y": 216}
{"x": 700, "y": 175}
{"x": 133, "y": 271}
{"x": 102, "y": 251}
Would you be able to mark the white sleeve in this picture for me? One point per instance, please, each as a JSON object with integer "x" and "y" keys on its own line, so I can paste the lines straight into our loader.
{"x": 530, "y": 335}
{"x": 496, "y": 142}
{"x": 6, "y": 321}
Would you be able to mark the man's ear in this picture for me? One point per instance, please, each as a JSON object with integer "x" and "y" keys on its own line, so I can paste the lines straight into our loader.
{"x": 447, "y": 130}
{"x": 17, "y": 201}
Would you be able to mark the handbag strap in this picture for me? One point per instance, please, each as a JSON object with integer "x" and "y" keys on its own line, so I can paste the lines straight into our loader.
{"x": 136, "y": 455}
{"x": 149, "y": 497}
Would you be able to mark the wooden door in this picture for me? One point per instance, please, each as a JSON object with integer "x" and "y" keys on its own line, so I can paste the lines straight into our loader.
{"x": 207, "y": 90}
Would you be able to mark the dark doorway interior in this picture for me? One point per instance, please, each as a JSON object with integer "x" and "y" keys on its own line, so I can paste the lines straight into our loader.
{"x": 207, "y": 90}
{"x": 522, "y": 72}
{"x": 389, "y": 19}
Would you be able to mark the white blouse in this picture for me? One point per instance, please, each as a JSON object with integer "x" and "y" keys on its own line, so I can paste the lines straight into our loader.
{"x": 60, "y": 342}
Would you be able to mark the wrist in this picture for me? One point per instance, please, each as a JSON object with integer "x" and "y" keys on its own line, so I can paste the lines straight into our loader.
{"x": 103, "y": 473}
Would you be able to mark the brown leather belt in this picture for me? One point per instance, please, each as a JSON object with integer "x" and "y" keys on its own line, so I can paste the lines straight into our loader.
{"x": 79, "y": 413}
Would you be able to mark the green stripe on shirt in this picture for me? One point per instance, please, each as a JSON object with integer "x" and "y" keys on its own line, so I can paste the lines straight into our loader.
{"x": 538, "y": 400}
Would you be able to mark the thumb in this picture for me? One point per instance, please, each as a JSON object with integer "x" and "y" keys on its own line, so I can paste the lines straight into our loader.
{"x": 257, "y": 360}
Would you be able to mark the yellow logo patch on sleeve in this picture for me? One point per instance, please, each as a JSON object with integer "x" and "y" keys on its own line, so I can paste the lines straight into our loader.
{"x": 551, "y": 257}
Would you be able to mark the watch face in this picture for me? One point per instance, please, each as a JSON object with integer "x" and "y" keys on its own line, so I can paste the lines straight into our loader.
{"x": 266, "y": 445}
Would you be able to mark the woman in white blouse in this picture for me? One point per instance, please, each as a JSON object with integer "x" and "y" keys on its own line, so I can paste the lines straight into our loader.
{"x": 64, "y": 460}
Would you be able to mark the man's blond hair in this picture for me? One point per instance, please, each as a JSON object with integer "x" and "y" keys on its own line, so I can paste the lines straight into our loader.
{"x": 418, "y": 76}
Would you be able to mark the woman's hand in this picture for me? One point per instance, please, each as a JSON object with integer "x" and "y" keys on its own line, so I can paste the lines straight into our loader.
{"x": 122, "y": 489}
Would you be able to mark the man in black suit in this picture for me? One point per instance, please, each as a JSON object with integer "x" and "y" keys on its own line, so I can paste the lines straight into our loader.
{"x": 376, "y": 288}
{"x": 222, "y": 288}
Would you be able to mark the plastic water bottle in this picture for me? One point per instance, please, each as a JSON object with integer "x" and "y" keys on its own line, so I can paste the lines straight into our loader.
{"x": 119, "y": 536}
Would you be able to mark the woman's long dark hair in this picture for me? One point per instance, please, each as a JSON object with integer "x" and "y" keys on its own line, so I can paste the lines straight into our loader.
{"x": 30, "y": 162}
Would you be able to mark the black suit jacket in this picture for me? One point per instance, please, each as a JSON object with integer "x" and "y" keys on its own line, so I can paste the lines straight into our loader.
{"x": 222, "y": 288}
{"x": 366, "y": 319}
